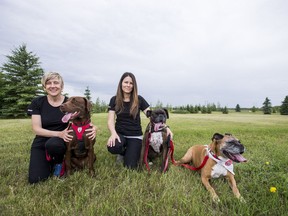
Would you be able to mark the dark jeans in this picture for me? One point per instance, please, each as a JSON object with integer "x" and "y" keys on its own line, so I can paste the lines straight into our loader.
{"x": 40, "y": 168}
{"x": 130, "y": 148}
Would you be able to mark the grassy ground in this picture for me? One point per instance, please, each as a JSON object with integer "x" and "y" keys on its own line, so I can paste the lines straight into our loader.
{"x": 118, "y": 191}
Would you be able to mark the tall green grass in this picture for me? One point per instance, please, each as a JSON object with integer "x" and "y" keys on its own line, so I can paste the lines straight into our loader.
{"x": 118, "y": 191}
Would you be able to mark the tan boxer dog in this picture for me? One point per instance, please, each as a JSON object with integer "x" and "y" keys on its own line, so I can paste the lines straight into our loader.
{"x": 155, "y": 142}
{"x": 80, "y": 150}
{"x": 219, "y": 157}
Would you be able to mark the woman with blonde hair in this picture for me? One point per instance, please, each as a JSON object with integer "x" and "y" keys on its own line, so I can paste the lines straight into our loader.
{"x": 48, "y": 147}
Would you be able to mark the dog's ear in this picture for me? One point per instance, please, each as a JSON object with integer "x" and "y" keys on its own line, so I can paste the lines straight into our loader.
{"x": 148, "y": 113}
{"x": 88, "y": 105}
{"x": 166, "y": 111}
{"x": 217, "y": 136}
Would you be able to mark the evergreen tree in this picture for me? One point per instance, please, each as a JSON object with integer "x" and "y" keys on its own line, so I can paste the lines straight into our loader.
{"x": 253, "y": 109}
{"x": 97, "y": 106}
{"x": 22, "y": 75}
{"x": 284, "y": 107}
{"x": 225, "y": 110}
{"x": 267, "y": 106}
{"x": 2, "y": 95}
{"x": 238, "y": 109}
{"x": 203, "y": 109}
{"x": 87, "y": 93}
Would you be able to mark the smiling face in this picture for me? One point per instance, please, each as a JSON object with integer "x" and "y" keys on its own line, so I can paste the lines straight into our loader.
{"x": 127, "y": 85}
{"x": 53, "y": 86}
{"x": 52, "y": 83}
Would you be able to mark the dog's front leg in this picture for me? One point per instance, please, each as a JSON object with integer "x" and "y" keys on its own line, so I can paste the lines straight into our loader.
{"x": 207, "y": 185}
{"x": 165, "y": 159}
{"x": 143, "y": 148}
{"x": 89, "y": 145}
{"x": 68, "y": 158}
{"x": 233, "y": 185}
{"x": 91, "y": 158}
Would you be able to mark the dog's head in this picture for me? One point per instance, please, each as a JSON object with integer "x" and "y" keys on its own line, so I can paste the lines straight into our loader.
{"x": 76, "y": 108}
{"x": 158, "y": 117}
{"x": 228, "y": 146}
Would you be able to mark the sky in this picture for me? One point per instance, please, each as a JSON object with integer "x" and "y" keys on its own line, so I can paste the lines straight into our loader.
{"x": 181, "y": 51}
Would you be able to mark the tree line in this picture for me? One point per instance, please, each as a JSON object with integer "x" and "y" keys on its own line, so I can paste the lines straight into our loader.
{"x": 20, "y": 82}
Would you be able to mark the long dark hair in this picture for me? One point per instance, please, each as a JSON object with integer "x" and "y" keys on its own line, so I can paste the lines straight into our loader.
{"x": 133, "y": 96}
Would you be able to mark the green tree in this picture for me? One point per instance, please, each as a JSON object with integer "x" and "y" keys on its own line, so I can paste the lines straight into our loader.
{"x": 284, "y": 107}
{"x": 225, "y": 110}
{"x": 87, "y": 93}
{"x": 238, "y": 109}
{"x": 22, "y": 75}
{"x": 267, "y": 106}
{"x": 97, "y": 106}
{"x": 253, "y": 109}
{"x": 2, "y": 95}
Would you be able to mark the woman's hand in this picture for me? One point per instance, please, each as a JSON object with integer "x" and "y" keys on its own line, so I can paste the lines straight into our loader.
{"x": 65, "y": 135}
{"x": 112, "y": 139}
{"x": 91, "y": 131}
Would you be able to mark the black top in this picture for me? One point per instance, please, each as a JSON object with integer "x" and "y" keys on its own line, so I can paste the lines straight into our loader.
{"x": 51, "y": 117}
{"x": 125, "y": 123}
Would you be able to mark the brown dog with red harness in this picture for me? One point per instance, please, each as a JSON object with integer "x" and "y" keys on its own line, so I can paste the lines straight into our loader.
{"x": 156, "y": 143}
{"x": 80, "y": 150}
{"x": 215, "y": 160}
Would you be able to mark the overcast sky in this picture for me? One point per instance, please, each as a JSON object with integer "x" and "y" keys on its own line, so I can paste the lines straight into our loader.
{"x": 181, "y": 51}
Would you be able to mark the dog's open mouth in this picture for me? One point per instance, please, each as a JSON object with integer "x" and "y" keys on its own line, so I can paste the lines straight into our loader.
{"x": 235, "y": 157}
{"x": 69, "y": 116}
{"x": 158, "y": 126}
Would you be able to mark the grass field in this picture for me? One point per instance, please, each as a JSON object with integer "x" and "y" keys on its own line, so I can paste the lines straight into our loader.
{"x": 118, "y": 191}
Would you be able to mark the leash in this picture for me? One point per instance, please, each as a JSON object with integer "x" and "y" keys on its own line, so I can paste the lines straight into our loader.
{"x": 203, "y": 162}
{"x": 196, "y": 168}
{"x": 146, "y": 152}
{"x": 166, "y": 161}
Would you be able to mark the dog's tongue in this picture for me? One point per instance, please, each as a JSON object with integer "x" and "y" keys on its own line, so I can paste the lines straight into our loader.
{"x": 66, "y": 117}
{"x": 157, "y": 126}
{"x": 240, "y": 158}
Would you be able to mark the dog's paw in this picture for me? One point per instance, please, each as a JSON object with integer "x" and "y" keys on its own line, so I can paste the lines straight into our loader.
{"x": 216, "y": 199}
{"x": 242, "y": 200}
{"x": 92, "y": 173}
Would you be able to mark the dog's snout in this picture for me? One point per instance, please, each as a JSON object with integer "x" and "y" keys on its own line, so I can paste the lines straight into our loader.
{"x": 242, "y": 150}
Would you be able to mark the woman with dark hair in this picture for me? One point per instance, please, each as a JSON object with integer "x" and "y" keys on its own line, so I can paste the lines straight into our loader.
{"x": 126, "y": 131}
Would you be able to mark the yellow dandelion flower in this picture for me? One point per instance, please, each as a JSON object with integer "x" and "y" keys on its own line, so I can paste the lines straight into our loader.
{"x": 273, "y": 189}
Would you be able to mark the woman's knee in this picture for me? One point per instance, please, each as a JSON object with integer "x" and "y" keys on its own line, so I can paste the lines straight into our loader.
{"x": 119, "y": 147}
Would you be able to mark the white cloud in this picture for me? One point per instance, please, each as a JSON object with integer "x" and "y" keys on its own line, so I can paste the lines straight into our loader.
{"x": 182, "y": 52}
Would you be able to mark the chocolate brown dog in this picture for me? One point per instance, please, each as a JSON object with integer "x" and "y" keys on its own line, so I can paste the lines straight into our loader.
{"x": 155, "y": 140}
{"x": 80, "y": 150}
{"x": 220, "y": 155}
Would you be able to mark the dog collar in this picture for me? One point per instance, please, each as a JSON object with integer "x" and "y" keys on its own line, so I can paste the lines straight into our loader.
{"x": 224, "y": 162}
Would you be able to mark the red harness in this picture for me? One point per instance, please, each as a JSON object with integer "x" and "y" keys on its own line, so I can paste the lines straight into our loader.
{"x": 80, "y": 128}
{"x": 166, "y": 161}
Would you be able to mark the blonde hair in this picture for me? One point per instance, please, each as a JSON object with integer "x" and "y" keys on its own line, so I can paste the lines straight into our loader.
{"x": 51, "y": 75}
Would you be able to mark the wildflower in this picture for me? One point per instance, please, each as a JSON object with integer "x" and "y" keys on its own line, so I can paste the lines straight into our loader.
{"x": 272, "y": 189}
